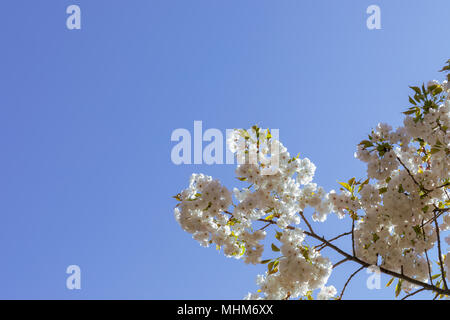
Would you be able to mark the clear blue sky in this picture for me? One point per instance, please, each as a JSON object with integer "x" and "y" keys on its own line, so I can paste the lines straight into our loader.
{"x": 86, "y": 117}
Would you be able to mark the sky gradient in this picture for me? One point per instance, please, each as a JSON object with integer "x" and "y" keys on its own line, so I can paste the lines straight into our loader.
{"x": 86, "y": 118}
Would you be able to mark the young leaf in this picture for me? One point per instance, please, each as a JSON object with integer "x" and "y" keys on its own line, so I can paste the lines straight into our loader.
{"x": 345, "y": 185}
{"x": 390, "y": 282}
{"x": 275, "y": 248}
{"x": 398, "y": 288}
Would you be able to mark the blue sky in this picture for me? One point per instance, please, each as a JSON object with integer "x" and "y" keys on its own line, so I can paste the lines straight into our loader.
{"x": 86, "y": 118}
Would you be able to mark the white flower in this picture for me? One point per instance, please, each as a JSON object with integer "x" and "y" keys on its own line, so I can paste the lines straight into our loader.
{"x": 326, "y": 293}
{"x": 405, "y": 182}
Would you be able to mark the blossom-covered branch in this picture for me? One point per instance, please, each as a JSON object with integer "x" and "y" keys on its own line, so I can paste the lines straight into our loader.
{"x": 398, "y": 212}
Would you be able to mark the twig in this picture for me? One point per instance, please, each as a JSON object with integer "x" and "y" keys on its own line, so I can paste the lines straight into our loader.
{"x": 429, "y": 268}
{"x": 340, "y": 262}
{"x": 348, "y": 280}
{"x": 273, "y": 222}
{"x": 335, "y": 238}
{"x": 306, "y": 221}
{"x": 409, "y": 173}
{"x": 265, "y": 226}
{"x": 441, "y": 264}
{"x": 411, "y": 294}
{"x": 424, "y": 285}
{"x": 353, "y": 237}
{"x": 386, "y": 271}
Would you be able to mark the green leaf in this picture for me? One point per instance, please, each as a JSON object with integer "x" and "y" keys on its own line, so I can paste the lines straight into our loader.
{"x": 434, "y": 150}
{"x": 375, "y": 237}
{"x": 382, "y": 190}
{"x": 275, "y": 248}
{"x": 345, "y": 185}
{"x": 418, "y": 230}
{"x": 366, "y": 143}
{"x": 363, "y": 184}
{"x": 390, "y": 282}
{"x": 242, "y": 178}
{"x": 178, "y": 197}
{"x": 437, "y": 90}
{"x": 272, "y": 266}
{"x": 398, "y": 287}
{"x": 265, "y": 261}
{"x": 269, "y": 135}
{"x": 417, "y": 90}
{"x": 278, "y": 235}
{"x": 435, "y": 276}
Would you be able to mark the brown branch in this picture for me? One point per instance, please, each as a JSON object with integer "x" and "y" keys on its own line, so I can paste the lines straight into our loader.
{"x": 429, "y": 268}
{"x": 322, "y": 245}
{"x": 424, "y": 285}
{"x": 340, "y": 262}
{"x": 441, "y": 264}
{"x": 353, "y": 237}
{"x": 350, "y": 278}
{"x": 441, "y": 212}
{"x": 273, "y": 222}
{"x": 410, "y": 174}
{"x": 411, "y": 294}
{"x": 265, "y": 226}
{"x": 306, "y": 221}
{"x": 426, "y": 255}
{"x": 386, "y": 271}
{"x": 443, "y": 185}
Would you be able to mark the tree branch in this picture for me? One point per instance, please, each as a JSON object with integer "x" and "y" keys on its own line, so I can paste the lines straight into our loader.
{"x": 306, "y": 221}
{"x": 353, "y": 237}
{"x": 322, "y": 245}
{"x": 340, "y": 262}
{"x": 441, "y": 264}
{"x": 409, "y": 173}
{"x": 348, "y": 280}
{"x": 429, "y": 268}
{"x": 424, "y": 285}
{"x": 386, "y": 271}
{"x": 411, "y": 294}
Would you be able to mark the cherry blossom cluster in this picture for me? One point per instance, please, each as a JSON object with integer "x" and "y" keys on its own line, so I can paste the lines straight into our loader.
{"x": 399, "y": 212}
{"x": 280, "y": 187}
{"x": 409, "y": 169}
{"x": 301, "y": 270}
